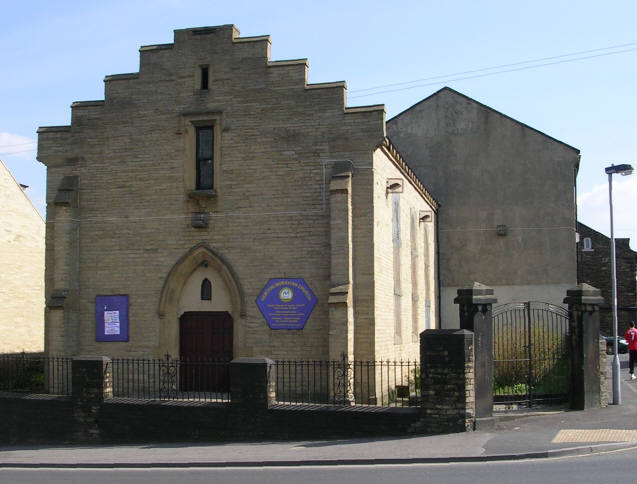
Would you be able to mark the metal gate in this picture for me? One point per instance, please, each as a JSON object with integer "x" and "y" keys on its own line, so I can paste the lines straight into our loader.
{"x": 530, "y": 353}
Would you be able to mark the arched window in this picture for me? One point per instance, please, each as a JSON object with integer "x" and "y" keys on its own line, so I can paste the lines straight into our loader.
{"x": 206, "y": 290}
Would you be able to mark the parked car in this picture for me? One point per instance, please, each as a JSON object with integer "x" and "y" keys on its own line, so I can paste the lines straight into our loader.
{"x": 622, "y": 344}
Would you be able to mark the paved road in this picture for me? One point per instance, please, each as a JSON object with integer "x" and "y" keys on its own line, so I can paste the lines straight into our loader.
{"x": 613, "y": 467}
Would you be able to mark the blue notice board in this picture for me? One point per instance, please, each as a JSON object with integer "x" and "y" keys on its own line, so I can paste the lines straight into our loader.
{"x": 111, "y": 315}
{"x": 286, "y": 303}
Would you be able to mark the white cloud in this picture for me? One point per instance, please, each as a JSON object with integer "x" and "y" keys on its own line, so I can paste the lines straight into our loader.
{"x": 593, "y": 207}
{"x": 16, "y": 145}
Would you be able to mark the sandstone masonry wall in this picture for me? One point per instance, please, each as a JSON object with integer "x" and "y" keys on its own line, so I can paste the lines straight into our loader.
{"x": 21, "y": 269}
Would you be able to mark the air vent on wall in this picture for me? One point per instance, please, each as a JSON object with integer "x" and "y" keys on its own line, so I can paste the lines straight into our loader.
{"x": 394, "y": 185}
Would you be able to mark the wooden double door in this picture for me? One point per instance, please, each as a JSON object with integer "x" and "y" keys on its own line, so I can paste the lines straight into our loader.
{"x": 205, "y": 350}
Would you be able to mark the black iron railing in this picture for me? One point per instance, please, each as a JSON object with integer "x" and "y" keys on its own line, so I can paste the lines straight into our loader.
{"x": 340, "y": 382}
{"x": 171, "y": 379}
{"x": 344, "y": 382}
{"x": 35, "y": 373}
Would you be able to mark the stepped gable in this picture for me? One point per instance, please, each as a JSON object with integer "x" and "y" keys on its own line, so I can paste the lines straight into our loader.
{"x": 227, "y": 55}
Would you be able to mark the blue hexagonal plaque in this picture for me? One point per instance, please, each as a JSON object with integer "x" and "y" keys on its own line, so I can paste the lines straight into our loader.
{"x": 286, "y": 303}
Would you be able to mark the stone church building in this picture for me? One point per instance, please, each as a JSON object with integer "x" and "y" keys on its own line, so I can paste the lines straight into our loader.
{"x": 216, "y": 205}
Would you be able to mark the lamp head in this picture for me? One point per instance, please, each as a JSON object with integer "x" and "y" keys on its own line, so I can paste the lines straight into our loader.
{"x": 624, "y": 169}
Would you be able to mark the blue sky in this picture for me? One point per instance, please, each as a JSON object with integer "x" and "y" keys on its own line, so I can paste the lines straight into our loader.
{"x": 54, "y": 53}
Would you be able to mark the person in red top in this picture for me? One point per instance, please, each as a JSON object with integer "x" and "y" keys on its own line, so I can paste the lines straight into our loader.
{"x": 631, "y": 338}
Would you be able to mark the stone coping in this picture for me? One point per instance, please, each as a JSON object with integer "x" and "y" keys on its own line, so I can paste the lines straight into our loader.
{"x": 287, "y": 62}
{"x": 364, "y": 109}
{"x": 53, "y": 129}
{"x": 121, "y": 77}
{"x": 145, "y": 48}
{"x": 86, "y": 104}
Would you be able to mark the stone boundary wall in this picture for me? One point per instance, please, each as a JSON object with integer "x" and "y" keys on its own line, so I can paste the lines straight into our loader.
{"x": 91, "y": 415}
{"x": 51, "y": 420}
{"x": 131, "y": 422}
{"x": 35, "y": 419}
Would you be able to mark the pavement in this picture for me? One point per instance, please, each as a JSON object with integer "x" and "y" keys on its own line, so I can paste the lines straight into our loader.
{"x": 530, "y": 434}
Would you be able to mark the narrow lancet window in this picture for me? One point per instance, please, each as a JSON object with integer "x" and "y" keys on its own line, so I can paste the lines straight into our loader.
{"x": 204, "y": 78}
{"x": 206, "y": 290}
{"x": 205, "y": 140}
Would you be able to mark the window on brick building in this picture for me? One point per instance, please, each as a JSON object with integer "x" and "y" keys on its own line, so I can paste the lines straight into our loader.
{"x": 588, "y": 244}
{"x": 205, "y": 155}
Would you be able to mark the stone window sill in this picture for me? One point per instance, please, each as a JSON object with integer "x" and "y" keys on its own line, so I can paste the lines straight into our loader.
{"x": 202, "y": 194}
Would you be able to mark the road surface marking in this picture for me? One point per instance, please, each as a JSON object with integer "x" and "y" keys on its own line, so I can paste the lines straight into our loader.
{"x": 595, "y": 435}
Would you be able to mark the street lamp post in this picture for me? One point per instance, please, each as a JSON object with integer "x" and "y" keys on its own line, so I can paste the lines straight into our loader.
{"x": 610, "y": 171}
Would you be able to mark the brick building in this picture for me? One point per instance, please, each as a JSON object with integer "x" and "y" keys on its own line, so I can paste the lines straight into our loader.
{"x": 594, "y": 268}
{"x": 213, "y": 178}
{"x": 21, "y": 269}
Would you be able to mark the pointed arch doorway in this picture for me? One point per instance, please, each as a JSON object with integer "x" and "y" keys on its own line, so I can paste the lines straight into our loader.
{"x": 205, "y": 349}
{"x": 202, "y": 315}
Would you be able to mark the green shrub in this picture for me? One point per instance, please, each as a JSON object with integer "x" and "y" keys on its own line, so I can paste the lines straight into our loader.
{"x": 511, "y": 357}
{"x": 21, "y": 374}
{"x": 414, "y": 381}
